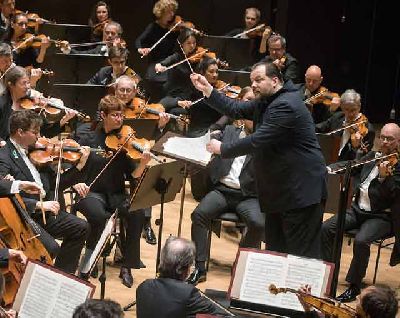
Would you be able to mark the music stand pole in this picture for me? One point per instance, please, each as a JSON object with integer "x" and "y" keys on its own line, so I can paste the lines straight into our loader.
{"x": 338, "y": 243}
{"x": 183, "y": 193}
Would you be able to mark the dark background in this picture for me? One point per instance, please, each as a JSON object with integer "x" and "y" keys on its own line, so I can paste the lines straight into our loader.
{"x": 354, "y": 41}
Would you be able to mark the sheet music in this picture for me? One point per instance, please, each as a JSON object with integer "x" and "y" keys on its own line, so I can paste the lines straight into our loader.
{"x": 192, "y": 149}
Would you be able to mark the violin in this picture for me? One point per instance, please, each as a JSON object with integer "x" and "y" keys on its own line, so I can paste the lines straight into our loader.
{"x": 392, "y": 160}
{"x": 231, "y": 91}
{"x": 200, "y": 53}
{"x": 360, "y": 125}
{"x": 125, "y": 139}
{"x": 324, "y": 96}
{"x": 30, "y": 40}
{"x": 47, "y": 151}
{"x": 34, "y": 20}
{"x": 184, "y": 25}
{"x": 98, "y": 28}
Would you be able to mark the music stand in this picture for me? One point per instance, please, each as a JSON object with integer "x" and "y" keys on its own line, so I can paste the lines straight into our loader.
{"x": 160, "y": 184}
{"x": 73, "y": 33}
{"x": 240, "y": 78}
{"x": 144, "y": 128}
{"x": 330, "y": 145}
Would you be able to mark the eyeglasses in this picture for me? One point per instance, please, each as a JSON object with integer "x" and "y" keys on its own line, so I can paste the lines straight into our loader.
{"x": 386, "y": 138}
{"x": 117, "y": 115}
{"x": 125, "y": 90}
{"x": 22, "y": 23}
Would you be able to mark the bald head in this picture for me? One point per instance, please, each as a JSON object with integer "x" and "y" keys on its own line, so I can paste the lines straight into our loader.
{"x": 125, "y": 88}
{"x": 390, "y": 138}
{"x": 313, "y": 78}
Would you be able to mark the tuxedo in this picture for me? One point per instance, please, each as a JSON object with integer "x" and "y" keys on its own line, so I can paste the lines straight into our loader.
{"x": 373, "y": 225}
{"x": 71, "y": 229}
{"x": 105, "y": 76}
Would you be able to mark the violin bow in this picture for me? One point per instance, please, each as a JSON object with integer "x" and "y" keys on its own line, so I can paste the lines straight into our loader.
{"x": 162, "y": 38}
{"x": 184, "y": 60}
{"x": 184, "y": 54}
{"x": 237, "y": 36}
{"x": 58, "y": 177}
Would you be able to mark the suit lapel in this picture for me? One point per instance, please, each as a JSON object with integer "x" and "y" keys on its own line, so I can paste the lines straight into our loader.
{"x": 19, "y": 162}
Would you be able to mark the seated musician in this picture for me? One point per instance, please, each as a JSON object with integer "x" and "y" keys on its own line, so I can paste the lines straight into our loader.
{"x": 108, "y": 192}
{"x": 375, "y": 202}
{"x": 101, "y": 308}
{"x": 111, "y": 37}
{"x": 233, "y": 190}
{"x": 164, "y": 12}
{"x": 169, "y": 295}
{"x": 10, "y": 186}
{"x": 25, "y": 55}
{"x": 320, "y": 110}
{"x": 24, "y": 132}
{"x": 7, "y": 8}
{"x": 18, "y": 88}
{"x": 288, "y": 65}
{"x": 117, "y": 58}
{"x": 101, "y": 14}
{"x": 353, "y": 143}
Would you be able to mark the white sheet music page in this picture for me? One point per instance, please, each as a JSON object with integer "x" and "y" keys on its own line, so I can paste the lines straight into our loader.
{"x": 191, "y": 149}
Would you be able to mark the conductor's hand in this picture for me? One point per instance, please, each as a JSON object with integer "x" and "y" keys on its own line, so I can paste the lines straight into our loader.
{"x": 17, "y": 256}
{"x": 214, "y": 146}
{"x": 201, "y": 84}
{"x": 30, "y": 187}
{"x": 82, "y": 189}
{"x": 51, "y": 206}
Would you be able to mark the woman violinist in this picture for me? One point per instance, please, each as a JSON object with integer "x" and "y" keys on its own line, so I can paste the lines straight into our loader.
{"x": 101, "y": 14}
{"x": 356, "y": 133}
{"x": 25, "y": 54}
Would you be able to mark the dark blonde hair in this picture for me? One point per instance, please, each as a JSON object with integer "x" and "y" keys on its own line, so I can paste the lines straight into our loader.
{"x": 110, "y": 103}
{"x": 162, "y": 5}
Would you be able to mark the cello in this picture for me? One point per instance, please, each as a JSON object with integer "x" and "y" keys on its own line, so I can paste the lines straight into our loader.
{"x": 18, "y": 231}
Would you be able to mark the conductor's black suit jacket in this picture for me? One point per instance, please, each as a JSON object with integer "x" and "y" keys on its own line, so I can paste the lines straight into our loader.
{"x": 290, "y": 168}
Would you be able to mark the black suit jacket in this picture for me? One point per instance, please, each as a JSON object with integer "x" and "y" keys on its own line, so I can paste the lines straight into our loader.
{"x": 171, "y": 298}
{"x": 287, "y": 157}
{"x": 291, "y": 69}
{"x": 220, "y": 167}
{"x": 12, "y": 163}
{"x": 336, "y": 122}
{"x": 5, "y": 187}
{"x": 4, "y": 257}
{"x": 104, "y": 76}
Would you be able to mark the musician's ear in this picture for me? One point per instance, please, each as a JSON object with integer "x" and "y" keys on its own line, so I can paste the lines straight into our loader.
{"x": 103, "y": 115}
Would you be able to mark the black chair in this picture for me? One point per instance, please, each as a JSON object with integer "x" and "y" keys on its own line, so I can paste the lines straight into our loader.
{"x": 351, "y": 234}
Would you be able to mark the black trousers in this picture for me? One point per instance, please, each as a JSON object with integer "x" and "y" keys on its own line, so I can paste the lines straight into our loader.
{"x": 218, "y": 201}
{"x": 370, "y": 229}
{"x": 295, "y": 231}
{"x": 72, "y": 230}
{"x": 97, "y": 211}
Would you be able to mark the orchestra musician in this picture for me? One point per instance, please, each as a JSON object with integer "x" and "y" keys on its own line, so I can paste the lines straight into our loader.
{"x": 376, "y": 202}
{"x": 320, "y": 110}
{"x": 164, "y": 11}
{"x": 25, "y": 55}
{"x": 287, "y": 157}
{"x": 18, "y": 88}
{"x": 352, "y": 145}
{"x": 101, "y": 14}
{"x": 233, "y": 189}
{"x": 286, "y": 63}
{"x": 14, "y": 161}
{"x": 98, "y": 202}
{"x": 117, "y": 58}
{"x": 7, "y": 8}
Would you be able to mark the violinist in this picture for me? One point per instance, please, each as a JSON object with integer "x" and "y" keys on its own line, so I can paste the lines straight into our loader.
{"x": 355, "y": 141}
{"x": 287, "y": 64}
{"x": 101, "y": 14}
{"x": 164, "y": 11}
{"x": 375, "y": 203}
{"x": 117, "y": 58}
{"x": 108, "y": 192}
{"x": 14, "y": 160}
{"x": 321, "y": 108}
{"x": 18, "y": 88}
{"x": 25, "y": 55}
{"x": 7, "y": 8}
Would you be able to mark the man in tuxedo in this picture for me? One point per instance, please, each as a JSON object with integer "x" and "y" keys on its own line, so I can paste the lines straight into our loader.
{"x": 14, "y": 161}
{"x": 169, "y": 296}
{"x": 233, "y": 189}
{"x": 376, "y": 201}
{"x": 287, "y": 157}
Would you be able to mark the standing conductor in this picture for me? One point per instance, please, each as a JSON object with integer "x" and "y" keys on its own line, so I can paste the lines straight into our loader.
{"x": 290, "y": 169}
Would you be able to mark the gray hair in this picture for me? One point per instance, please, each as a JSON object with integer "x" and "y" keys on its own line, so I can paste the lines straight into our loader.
{"x": 117, "y": 25}
{"x": 350, "y": 96}
{"x": 125, "y": 78}
{"x": 5, "y": 49}
{"x": 277, "y": 37}
{"x": 177, "y": 256}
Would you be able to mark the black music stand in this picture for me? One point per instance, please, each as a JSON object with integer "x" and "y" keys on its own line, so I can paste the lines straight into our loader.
{"x": 160, "y": 185}
{"x": 73, "y": 33}
{"x": 330, "y": 145}
{"x": 240, "y": 78}
{"x": 144, "y": 128}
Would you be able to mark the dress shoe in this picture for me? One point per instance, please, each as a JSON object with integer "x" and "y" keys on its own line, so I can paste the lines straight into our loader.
{"x": 126, "y": 276}
{"x": 149, "y": 235}
{"x": 197, "y": 276}
{"x": 394, "y": 258}
{"x": 349, "y": 294}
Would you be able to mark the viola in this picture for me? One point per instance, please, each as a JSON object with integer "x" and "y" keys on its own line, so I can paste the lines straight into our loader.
{"x": 47, "y": 151}
{"x": 231, "y": 91}
{"x": 184, "y": 25}
{"x": 200, "y": 53}
{"x": 323, "y": 96}
{"x": 125, "y": 139}
{"x": 19, "y": 232}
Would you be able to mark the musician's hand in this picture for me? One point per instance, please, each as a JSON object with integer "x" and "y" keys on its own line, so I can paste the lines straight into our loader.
{"x": 85, "y": 151}
{"x": 279, "y": 63}
{"x": 11, "y": 313}
{"x": 163, "y": 121}
{"x": 51, "y": 206}
{"x": 9, "y": 177}
{"x": 384, "y": 170}
{"x": 145, "y": 158}
{"x": 201, "y": 84}
{"x": 45, "y": 43}
{"x": 30, "y": 187}
{"x": 305, "y": 289}
{"x": 160, "y": 68}
{"x": 82, "y": 189}
{"x": 144, "y": 51}
{"x": 335, "y": 104}
{"x": 2, "y": 143}
{"x": 214, "y": 146}
{"x": 184, "y": 103}
{"x": 356, "y": 140}
{"x": 64, "y": 47}
{"x": 36, "y": 74}
{"x": 17, "y": 256}
{"x": 69, "y": 114}
{"x": 267, "y": 32}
